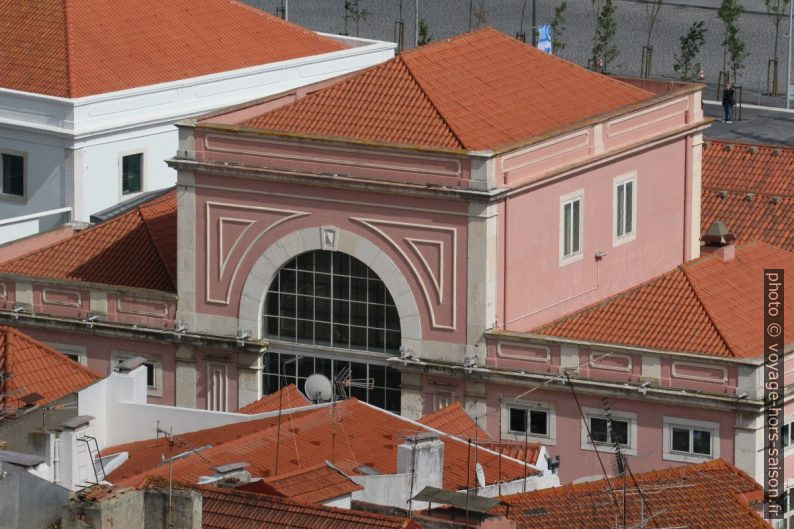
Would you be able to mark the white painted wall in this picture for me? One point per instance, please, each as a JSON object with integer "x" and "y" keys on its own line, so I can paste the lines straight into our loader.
{"x": 102, "y": 127}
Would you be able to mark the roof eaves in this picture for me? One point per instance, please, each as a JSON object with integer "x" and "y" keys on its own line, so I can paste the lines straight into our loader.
{"x": 75, "y": 283}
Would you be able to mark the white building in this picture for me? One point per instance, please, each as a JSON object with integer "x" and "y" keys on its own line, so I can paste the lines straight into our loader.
{"x": 90, "y": 92}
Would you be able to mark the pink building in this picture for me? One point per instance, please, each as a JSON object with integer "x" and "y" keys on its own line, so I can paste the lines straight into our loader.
{"x": 472, "y": 221}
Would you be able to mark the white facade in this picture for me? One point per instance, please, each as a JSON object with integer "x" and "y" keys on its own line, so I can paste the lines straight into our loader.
{"x": 73, "y": 147}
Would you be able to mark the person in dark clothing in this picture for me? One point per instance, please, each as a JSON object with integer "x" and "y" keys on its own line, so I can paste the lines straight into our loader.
{"x": 728, "y": 102}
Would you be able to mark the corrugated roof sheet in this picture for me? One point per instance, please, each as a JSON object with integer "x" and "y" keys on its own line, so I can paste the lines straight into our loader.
{"x": 751, "y": 189}
{"x": 479, "y": 91}
{"x": 70, "y": 48}
{"x": 136, "y": 249}
{"x": 348, "y": 435}
{"x": 706, "y": 306}
{"x": 702, "y": 496}
{"x": 36, "y": 368}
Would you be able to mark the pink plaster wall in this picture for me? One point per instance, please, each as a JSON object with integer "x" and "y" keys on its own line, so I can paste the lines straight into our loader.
{"x": 577, "y": 463}
{"x": 523, "y": 357}
{"x": 408, "y": 217}
{"x": 699, "y": 375}
{"x": 60, "y": 301}
{"x": 7, "y": 294}
{"x": 140, "y": 310}
{"x": 532, "y": 282}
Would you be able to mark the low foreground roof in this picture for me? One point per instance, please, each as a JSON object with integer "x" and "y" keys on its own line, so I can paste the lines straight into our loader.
{"x": 28, "y": 367}
{"x": 351, "y": 434}
{"x": 314, "y": 484}
{"x": 77, "y": 48}
{"x": 479, "y": 91}
{"x": 702, "y": 496}
{"x": 287, "y": 397}
{"x": 751, "y": 189}
{"x": 136, "y": 249}
{"x": 233, "y": 509}
{"x": 454, "y": 420}
{"x": 706, "y": 306}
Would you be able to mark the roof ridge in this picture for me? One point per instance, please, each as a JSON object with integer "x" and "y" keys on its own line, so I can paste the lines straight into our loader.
{"x": 432, "y": 103}
{"x": 156, "y": 246}
{"x": 706, "y": 310}
{"x": 68, "y": 47}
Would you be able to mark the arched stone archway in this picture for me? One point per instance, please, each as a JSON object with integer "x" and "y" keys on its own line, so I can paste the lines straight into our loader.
{"x": 270, "y": 262}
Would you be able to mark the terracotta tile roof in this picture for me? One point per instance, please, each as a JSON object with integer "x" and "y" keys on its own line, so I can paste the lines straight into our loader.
{"x": 454, "y": 420}
{"x": 516, "y": 450}
{"x": 136, "y": 249}
{"x": 707, "y": 306}
{"x": 479, "y": 91}
{"x": 702, "y": 496}
{"x": 350, "y": 435}
{"x": 70, "y": 48}
{"x": 751, "y": 189}
{"x": 288, "y": 396}
{"x": 233, "y": 509}
{"x": 314, "y": 484}
{"x": 36, "y": 368}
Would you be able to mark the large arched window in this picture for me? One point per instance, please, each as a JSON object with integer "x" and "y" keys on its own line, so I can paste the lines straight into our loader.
{"x": 332, "y": 299}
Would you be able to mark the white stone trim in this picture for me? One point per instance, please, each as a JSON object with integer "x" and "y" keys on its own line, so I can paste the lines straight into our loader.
{"x": 667, "y": 442}
{"x": 596, "y": 356}
{"x": 627, "y": 416}
{"x": 724, "y": 370}
{"x": 528, "y": 405}
{"x": 70, "y": 349}
{"x": 252, "y": 300}
{"x": 617, "y": 181}
{"x": 77, "y": 303}
{"x": 579, "y": 255}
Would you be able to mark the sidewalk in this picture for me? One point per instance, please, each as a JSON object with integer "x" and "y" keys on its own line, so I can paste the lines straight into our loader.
{"x": 758, "y": 124}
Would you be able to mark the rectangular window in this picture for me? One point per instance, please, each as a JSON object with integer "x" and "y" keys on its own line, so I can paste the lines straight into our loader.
{"x": 153, "y": 372}
{"x": 132, "y": 174}
{"x": 571, "y": 227}
{"x": 533, "y": 422}
{"x": 625, "y": 208}
{"x": 601, "y": 431}
{"x": 690, "y": 441}
{"x": 13, "y": 175}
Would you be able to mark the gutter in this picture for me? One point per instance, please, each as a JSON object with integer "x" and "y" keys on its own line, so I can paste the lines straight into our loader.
{"x": 128, "y": 331}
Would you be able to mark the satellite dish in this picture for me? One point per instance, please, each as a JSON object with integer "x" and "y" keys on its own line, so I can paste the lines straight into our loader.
{"x": 480, "y": 475}
{"x": 318, "y": 388}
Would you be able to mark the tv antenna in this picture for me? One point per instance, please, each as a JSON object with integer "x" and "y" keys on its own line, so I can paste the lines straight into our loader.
{"x": 343, "y": 381}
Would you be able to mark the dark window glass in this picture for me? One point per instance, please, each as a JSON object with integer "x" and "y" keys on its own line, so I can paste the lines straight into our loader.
{"x": 620, "y": 432}
{"x": 629, "y": 206}
{"x": 598, "y": 430}
{"x": 575, "y": 241}
{"x": 131, "y": 170}
{"x": 13, "y": 175}
{"x": 518, "y": 420}
{"x": 701, "y": 442}
{"x": 393, "y": 400}
{"x": 784, "y": 434}
{"x": 680, "y": 440}
{"x": 538, "y": 422}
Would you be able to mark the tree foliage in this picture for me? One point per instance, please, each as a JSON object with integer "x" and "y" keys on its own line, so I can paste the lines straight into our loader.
{"x": 652, "y": 8}
{"x": 685, "y": 65}
{"x": 558, "y": 28}
{"x": 776, "y": 10}
{"x": 356, "y": 13}
{"x": 604, "y": 48}
{"x": 424, "y": 33}
{"x": 733, "y": 47}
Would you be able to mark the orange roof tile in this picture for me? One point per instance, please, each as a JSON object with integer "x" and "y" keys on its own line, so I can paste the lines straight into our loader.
{"x": 314, "y": 484}
{"x": 72, "y": 49}
{"x": 234, "y": 509}
{"x": 751, "y": 189}
{"x": 707, "y": 306}
{"x": 479, "y": 91}
{"x": 36, "y": 368}
{"x": 350, "y": 435}
{"x": 702, "y": 496}
{"x": 136, "y": 249}
{"x": 454, "y": 420}
{"x": 516, "y": 450}
{"x": 287, "y": 397}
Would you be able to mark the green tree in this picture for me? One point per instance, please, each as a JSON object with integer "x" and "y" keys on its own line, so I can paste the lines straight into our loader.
{"x": 424, "y": 32}
{"x": 558, "y": 28}
{"x": 776, "y": 10}
{"x": 355, "y": 13}
{"x": 733, "y": 48}
{"x": 604, "y": 48}
{"x": 685, "y": 65}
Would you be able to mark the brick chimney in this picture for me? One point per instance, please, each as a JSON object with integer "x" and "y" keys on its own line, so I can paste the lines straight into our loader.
{"x": 719, "y": 241}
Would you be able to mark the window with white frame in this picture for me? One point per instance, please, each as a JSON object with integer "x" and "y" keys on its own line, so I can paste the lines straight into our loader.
{"x": 12, "y": 175}
{"x": 571, "y": 226}
{"x": 75, "y": 352}
{"x": 522, "y": 419}
{"x": 688, "y": 440}
{"x": 132, "y": 173}
{"x": 625, "y": 211}
{"x": 608, "y": 432}
{"x": 787, "y": 434}
{"x": 154, "y": 371}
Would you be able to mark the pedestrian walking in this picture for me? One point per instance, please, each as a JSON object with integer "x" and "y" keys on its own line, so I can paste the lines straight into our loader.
{"x": 728, "y": 101}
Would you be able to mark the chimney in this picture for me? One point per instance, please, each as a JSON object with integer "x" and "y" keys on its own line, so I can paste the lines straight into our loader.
{"x": 424, "y": 453}
{"x": 720, "y": 241}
